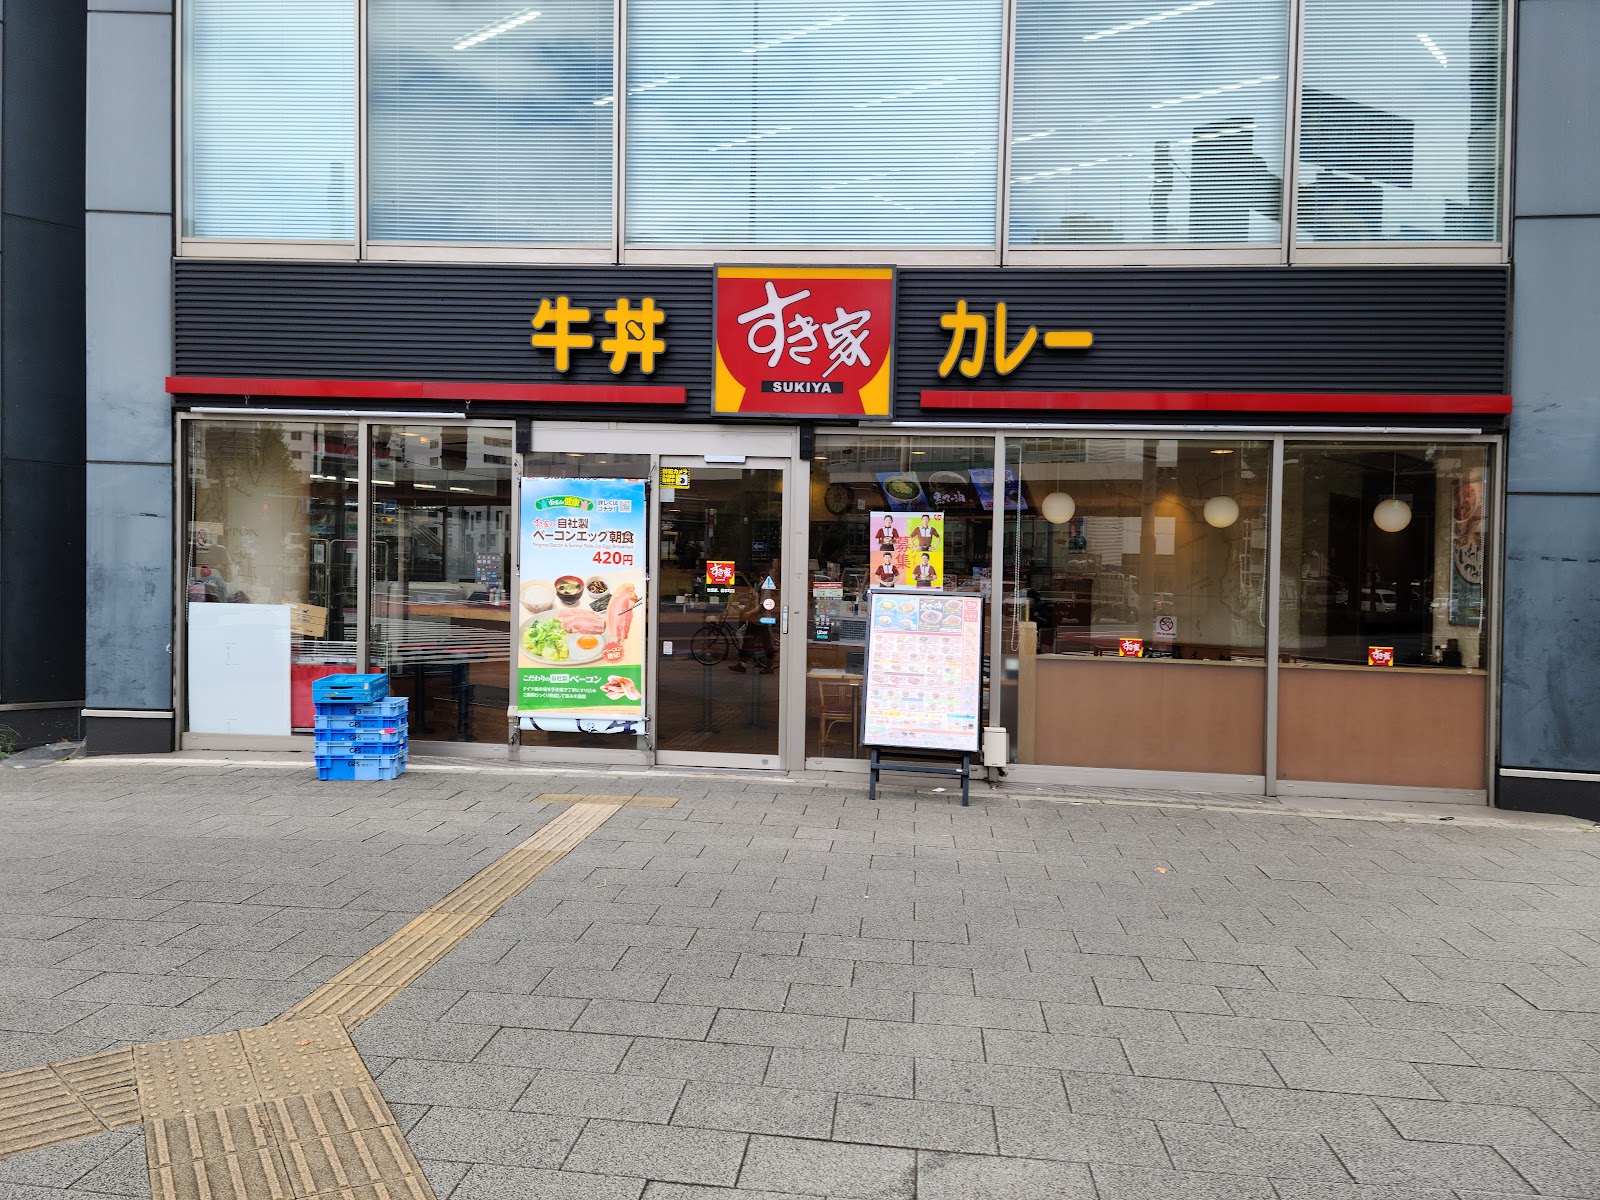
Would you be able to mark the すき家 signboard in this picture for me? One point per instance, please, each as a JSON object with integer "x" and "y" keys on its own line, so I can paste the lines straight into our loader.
{"x": 923, "y": 687}
{"x": 580, "y": 632}
{"x": 804, "y": 341}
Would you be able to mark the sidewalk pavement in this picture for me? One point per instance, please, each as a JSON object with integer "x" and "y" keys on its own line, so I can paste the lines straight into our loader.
{"x": 775, "y": 989}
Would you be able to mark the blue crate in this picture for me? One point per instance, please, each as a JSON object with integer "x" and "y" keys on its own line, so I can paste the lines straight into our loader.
{"x": 359, "y": 742}
{"x": 361, "y": 766}
{"x": 384, "y": 714}
{"x": 349, "y": 689}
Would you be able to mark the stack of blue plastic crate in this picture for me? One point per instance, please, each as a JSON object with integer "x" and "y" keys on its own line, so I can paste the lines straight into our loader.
{"x": 361, "y": 729}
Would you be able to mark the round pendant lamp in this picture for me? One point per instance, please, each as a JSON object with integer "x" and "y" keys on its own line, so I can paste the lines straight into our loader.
{"x": 1221, "y": 511}
{"x": 1394, "y": 514}
{"x": 1391, "y": 515}
{"x": 1058, "y": 508}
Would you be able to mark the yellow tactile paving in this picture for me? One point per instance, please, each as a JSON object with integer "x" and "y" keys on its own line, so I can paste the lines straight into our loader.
{"x": 598, "y": 798}
{"x": 38, "y": 1109}
{"x": 285, "y": 1111}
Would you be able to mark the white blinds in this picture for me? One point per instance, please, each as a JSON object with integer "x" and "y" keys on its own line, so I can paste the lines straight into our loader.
{"x": 490, "y": 120}
{"x": 1148, "y": 121}
{"x": 1400, "y": 127}
{"x": 269, "y": 119}
{"x": 785, "y": 122}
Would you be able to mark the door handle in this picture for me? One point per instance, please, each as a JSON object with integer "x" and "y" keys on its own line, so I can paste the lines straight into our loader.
{"x": 785, "y": 626}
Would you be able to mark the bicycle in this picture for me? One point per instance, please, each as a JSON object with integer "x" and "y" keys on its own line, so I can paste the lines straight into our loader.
{"x": 714, "y": 642}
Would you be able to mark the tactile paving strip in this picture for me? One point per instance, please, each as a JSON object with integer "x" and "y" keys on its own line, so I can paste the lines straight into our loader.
{"x": 285, "y": 1111}
{"x": 599, "y": 798}
{"x": 366, "y": 985}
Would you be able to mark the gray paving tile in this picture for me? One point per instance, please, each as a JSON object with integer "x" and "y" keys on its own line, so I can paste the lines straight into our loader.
{"x": 1576, "y": 1125}
{"x": 692, "y": 1191}
{"x": 844, "y": 1071}
{"x": 981, "y": 1012}
{"x": 1055, "y": 1050}
{"x": 871, "y": 1003}
{"x": 766, "y": 995}
{"x": 601, "y": 985}
{"x": 1428, "y": 1164}
{"x": 647, "y": 1020}
{"x": 461, "y": 1085}
{"x": 1172, "y": 997}
{"x": 658, "y": 1152}
{"x": 1537, "y": 1053}
{"x": 519, "y": 1183}
{"x": 1151, "y": 1183}
{"x": 825, "y": 972}
{"x": 1306, "y": 1112}
{"x": 897, "y": 977}
{"x": 754, "y": 1028}
{"x": 1282, "y": 1006}
{"x": 473, "y": 1135}
{"x": 988, "y": 1083}
{"x": 1480, "y": 1124}
{"x": 1079, "y": 1137}
{"x": 944, "y": 1176}
{"x": 784, "y": 1111}
{"x": 920, "y": 1124}
{"x": 1151, "y": 1099}
{"x": 503, "y": 1008}
{"x": 550, "y": 1048}
{"x": 1483, "y": 1086}
{"x": 1280, "y": 1154}
{"x": 1214, "y": 1064}
{"x": 1362, "y": 1076}
{"x": 714, "y": 1062}
{"x": 842, "y": 1171}
{"x": 1399, "y": 1045}
{"x": 915, "y": 1041}
{"x": 1099, "y": 1021}
{"x": 599, "y": 1094}
{"x": 394, "y": 1037}
{"x": 1260, "y": 1033}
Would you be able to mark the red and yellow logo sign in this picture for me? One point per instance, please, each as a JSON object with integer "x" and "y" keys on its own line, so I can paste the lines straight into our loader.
{"x": 718, "y": 573}
{"x": 1130, "y": 647}
{"x": 804, "y": 341}
{"x": 1380, "y": 656}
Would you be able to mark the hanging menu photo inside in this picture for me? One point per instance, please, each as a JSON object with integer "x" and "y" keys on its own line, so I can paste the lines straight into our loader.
{"x": 924, "y": 671}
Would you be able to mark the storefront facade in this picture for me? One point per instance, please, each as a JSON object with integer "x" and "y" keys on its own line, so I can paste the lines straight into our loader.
{"x": 1235, "y": 527}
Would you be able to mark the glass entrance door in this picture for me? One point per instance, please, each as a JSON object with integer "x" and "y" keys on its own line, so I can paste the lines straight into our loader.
{"x": 723, "y": 626}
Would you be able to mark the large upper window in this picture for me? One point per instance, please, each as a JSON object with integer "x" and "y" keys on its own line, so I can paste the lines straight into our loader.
{"x": 490, "y": 121}
{"x": 1400, "y": 121}
{"x": 269, "y": 119}
{"x": 778, "y": 122}
{"x": 1131, "y": 124}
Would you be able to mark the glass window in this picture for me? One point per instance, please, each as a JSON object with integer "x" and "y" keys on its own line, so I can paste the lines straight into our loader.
{"x": 1384, "y": 614}
{"x": 1133, "y": 124}
{"x": 441, "y": 569}
{"x": 775, "y": 122}
{"x": 1134, "y": 613}
{"x": 861, "y": 485}
{"x": 270, "y": 564}
{"x": 269, "y": 119}
{"x": 1400, "y": 121}
{"x": 490, "y": 120}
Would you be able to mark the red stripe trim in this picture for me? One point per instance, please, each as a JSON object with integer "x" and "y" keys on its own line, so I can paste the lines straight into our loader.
{"x": 1263, "y": 402}
{"x": 382, "y": 389}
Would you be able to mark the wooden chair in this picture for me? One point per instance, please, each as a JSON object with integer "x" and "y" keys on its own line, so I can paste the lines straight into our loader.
{"x": 836, "y": 706}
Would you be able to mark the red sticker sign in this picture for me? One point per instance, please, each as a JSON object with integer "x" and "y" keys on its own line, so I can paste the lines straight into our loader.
{"x": 719, "y": 574}
{"x": 1130, "y": 647}
{"x": 1380, "y": 656}
{"x": 813, "y": 341}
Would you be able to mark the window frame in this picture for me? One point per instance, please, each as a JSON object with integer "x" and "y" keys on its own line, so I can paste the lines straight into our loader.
{"x": 1000, "y": 253}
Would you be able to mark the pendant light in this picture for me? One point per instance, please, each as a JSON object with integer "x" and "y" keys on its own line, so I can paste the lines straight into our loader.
{"x": 1058, "y": 506}
{"x": 1392, "y": 514}
{"x": 1221, "y": 510}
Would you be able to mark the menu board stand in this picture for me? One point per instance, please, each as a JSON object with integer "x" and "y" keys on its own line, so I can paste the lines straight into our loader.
{"x": 922, "y": 687}
{"x": 919, "y": 766}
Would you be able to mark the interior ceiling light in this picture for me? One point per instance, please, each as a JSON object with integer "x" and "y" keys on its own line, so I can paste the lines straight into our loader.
{"x": 1150, "y": 20}
{"x": 495, "y": 29}
{"x": 1216, "y": 91}
{"x": 799, "y": 33}
{"x": 1433, "y": 49}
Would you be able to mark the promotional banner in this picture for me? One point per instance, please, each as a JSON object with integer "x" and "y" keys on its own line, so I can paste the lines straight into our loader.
{"x": 906, "y": 549}
{"x": 582, "y": 601}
